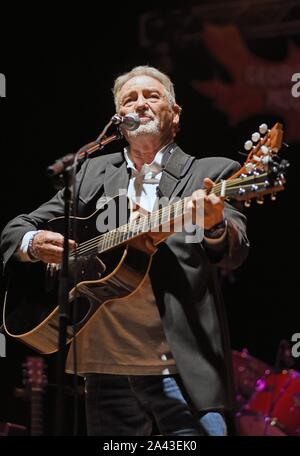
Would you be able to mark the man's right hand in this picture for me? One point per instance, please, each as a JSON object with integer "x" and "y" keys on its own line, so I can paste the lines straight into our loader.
{"x": 47, "y": 246}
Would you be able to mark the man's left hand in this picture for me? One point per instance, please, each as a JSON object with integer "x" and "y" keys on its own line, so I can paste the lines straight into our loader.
{"x": 209, "y": 206}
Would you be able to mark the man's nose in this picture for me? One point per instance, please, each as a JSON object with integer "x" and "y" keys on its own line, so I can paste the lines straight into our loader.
{"x": 141, "y": 104}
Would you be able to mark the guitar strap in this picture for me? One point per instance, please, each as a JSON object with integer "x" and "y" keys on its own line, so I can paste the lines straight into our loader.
{"x": 177, "y": 164}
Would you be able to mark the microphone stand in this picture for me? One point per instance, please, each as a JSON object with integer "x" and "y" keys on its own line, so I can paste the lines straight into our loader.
{"x": 65, "y": 163}
{"x": 63, "y": 168}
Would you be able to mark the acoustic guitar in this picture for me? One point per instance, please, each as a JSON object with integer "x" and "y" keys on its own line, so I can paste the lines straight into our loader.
{"x": 112, "y": 264}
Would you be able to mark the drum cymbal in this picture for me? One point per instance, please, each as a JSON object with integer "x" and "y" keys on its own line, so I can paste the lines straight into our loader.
{"x": 246, "y": 371}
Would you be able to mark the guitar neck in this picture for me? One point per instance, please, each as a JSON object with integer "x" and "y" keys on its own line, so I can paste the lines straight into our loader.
{"x": 151, "y": 222}
{"x": 37, "y": 421}
{"x": 164, "y": 219}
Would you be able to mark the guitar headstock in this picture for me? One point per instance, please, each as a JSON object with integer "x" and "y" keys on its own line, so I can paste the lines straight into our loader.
{"x": 34, "y": 373}
{"x": 263, "y": 146}
{"x": 262, "y": 172}
{"x": 268, "y": 179}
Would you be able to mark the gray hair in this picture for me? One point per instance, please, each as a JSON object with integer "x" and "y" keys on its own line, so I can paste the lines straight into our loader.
{"x": 147, "y": 71}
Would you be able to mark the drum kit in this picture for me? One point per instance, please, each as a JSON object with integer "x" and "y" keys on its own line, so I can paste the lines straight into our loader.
{"x": 267, "y": 400}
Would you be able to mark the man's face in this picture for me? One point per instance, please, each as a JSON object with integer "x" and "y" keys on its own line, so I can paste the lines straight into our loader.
{"x": 147, "y": 97}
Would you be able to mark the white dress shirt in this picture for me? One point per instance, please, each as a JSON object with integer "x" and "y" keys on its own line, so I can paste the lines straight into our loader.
{"x": 143, "y": 184}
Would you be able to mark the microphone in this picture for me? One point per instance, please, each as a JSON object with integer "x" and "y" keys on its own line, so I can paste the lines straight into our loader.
{"x": 130, "y": 122}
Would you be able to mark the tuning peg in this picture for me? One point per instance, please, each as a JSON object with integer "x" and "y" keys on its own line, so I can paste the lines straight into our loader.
{"x": 249, "y": 166}
{"x": 256, "y": 158}
{"x": 248, "y": 145}
{"x": 263, "y": 128}
{"x": 247, "y": 203}
{"x": 260, "y": 200}
{"x": 255, "y": 137}
{"x": 284, "y": 164}
{"x": 281, "y": 177}
{"x": 273, "y": 197}
{"x": 267, "y": 160}
{"x": 265, "y": 150}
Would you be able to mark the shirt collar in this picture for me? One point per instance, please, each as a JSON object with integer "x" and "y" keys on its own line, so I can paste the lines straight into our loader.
{"x": 155, "y": 167}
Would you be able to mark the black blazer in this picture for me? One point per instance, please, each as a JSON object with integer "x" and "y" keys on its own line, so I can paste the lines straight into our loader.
{"x": 183, "y": 275}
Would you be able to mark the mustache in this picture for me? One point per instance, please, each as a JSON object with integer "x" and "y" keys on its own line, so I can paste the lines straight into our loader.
{"x": 145, "y": 114}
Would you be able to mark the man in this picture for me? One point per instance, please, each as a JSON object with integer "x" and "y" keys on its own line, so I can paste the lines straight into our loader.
{"x": 162, "y": 352}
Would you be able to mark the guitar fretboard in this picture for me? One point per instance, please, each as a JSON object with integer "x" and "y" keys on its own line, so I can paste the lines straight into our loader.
{"x": 36, "y": 412}
{"x": 155, "y": 220}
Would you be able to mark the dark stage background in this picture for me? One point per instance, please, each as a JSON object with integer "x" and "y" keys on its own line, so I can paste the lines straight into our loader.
{"x": 58, "y": 98}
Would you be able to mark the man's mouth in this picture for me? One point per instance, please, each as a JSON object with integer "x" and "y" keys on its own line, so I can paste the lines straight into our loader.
{"x": 145, "y": 119}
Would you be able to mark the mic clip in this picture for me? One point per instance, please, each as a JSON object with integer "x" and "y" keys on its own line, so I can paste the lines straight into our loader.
{"x": 116, "y": 119}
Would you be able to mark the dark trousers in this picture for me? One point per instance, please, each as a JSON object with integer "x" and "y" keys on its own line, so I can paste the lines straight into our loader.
{"x": 128, "y": 404}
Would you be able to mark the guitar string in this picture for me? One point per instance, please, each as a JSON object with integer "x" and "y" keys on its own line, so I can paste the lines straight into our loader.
{"x": 111, "y": 236}
{"x": 127, "y": 227}
{"x": 157, "y": 214}
{"x": 114, "y": 236}
{"x": 154, "y": 216}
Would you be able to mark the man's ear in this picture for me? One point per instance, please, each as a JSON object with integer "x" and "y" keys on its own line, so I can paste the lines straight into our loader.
{"x": 177, "y": 110}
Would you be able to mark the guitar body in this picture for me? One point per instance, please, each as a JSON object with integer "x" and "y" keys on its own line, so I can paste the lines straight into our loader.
{"x": 31, "y": 301}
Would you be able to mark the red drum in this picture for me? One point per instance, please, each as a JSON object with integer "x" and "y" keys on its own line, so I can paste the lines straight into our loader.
{"x": 247, "y": 424}
{"x": 287, "y": 408}
{"x": 274, "y": 408}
